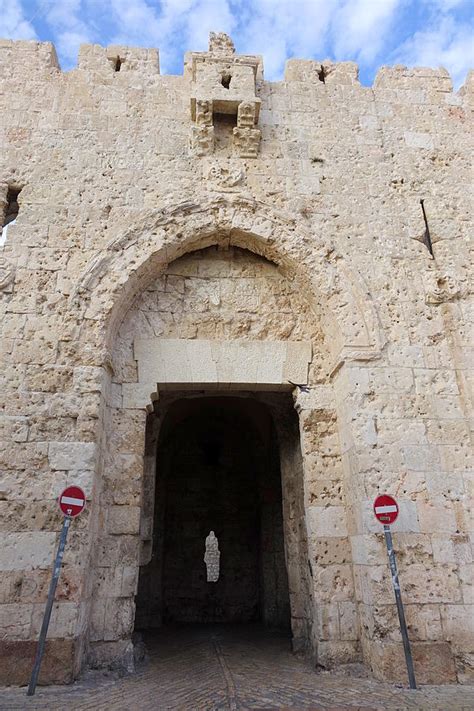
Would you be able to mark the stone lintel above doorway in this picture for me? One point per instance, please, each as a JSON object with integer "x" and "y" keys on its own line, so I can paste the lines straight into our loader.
{"x": 169, "y": 364}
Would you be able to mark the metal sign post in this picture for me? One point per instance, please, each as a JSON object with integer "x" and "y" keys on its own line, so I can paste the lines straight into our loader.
{"x": 71, "y": 503}
{"x": 400, "y": 610}
{"x": 386, "y": 511}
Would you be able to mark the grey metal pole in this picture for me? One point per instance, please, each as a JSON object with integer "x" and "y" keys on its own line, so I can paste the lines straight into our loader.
{"x": 401, "y": 612}
{"x": 49, "y": 607}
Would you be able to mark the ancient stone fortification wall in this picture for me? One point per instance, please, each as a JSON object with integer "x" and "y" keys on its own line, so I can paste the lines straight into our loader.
{"x": 122, "y": 172}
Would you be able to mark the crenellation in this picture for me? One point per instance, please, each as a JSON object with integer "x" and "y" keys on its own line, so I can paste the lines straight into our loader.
{"x": 28, "y": 57}
{"x": 116, "y": 59}
{"x": 401, "y": 77}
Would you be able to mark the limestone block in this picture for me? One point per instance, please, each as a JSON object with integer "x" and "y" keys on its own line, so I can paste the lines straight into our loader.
{"x": 437, "y": 583}
{"x": 129, "y": 581}
{"x": 348, "y": 621}
{"x": 240, "y": 363}
{"x": 64, "y": 619}
{"x": 327, "y": 521}
{"x": 328, "y": 621}
{"x": 88, "y": 379}
{"x": 27, "y": 550}
{"x": 119, "y": 618}
{"x": 335, "y": 653}
{"x": 138, "y": 396}
{"x": 306, "y": 70}
{"x": 324, "y": 493}
{"x": 424, "y": 622}
{"x": 32, "y": 486}
{"x": 108, "y": 582}
{"x": 123, "y": 520}
{"x": 83, "y": 478}
{"x": 415, "y": 139}
{"x": 13, "y": 428}
{"x": 334, "y": 583}
{"x": 330, "y": 551}
{"x": 340, "y": 73}
{"x": 72, "y": 455}
{"x": 368, "y": 549}
{"x": 435, "y": 518}
{"x": 458, "y": 625}
{"x": 128, "y": 431}
{"x": 32, "y": 455}
{"x": 433, "y": 662}
{"x": 421, "y": 457}
{"x": 455, "y": 548}
{"x": 318, "y": 398}
{"x": 15, "y": 621}
{"x": 298, "y": 357}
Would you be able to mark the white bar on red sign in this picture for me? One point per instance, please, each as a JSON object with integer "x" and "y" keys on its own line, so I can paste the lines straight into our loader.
{"x": 70, "y": 500}
{"x": 382, "y": 509}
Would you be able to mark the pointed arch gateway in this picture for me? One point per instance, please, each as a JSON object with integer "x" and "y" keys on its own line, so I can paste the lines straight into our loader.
{"x": 139, "y": 397}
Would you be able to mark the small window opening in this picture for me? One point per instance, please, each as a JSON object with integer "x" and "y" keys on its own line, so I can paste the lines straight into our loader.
{"x": 426, "y": 236}
{"x": 225, "y": 80}
{"x": 212, "y": 558}
{"x": 117, "y": 64}
{"x": 11, "y": 212}
{"x": 322, "y": 74}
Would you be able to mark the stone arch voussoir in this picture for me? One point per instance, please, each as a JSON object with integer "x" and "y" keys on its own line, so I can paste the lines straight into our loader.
{"x": 115, "y": 277}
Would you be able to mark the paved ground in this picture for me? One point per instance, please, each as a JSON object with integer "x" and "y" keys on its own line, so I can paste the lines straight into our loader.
{"x": 231, "y": 669}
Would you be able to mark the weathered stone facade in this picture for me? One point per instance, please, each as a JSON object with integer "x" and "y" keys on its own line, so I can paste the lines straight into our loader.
{"x": 217, "y": 235}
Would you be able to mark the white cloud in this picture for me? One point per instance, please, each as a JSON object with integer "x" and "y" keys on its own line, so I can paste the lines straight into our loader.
{"x": 360, "y": 28}
{"x": 14, "y": 24}
{"x": 65, "y": 18}
{"x": 449, "y": 45}
{"x": 279, "y": 29}
{"x": 367, "y": 31}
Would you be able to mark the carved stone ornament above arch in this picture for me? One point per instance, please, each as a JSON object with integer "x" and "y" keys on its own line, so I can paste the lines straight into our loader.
{"x": 143, "y": 250}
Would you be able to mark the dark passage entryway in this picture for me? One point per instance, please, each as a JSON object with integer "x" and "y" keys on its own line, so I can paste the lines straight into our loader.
{"x": 218, "y": 546}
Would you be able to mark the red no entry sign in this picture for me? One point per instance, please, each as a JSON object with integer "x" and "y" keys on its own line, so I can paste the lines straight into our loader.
{"x": 72, "y": 501}
{"x": 385, "y": 509}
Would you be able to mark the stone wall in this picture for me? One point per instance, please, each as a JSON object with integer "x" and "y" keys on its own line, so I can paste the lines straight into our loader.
{"x": 122, "y": 173}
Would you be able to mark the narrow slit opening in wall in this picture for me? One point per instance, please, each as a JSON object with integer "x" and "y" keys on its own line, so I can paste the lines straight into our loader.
{"x": 11, "y": 211}
{"x": 117, "y": 64}
{"x": 322, "y": 75}
{"x": 426, "y": 236}
{"x": 212, "y": 558}
{"x": 225, "y": 80}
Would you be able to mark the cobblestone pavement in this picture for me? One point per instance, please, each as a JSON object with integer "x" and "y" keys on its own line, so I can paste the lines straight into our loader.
{"x": 229, "y": 669}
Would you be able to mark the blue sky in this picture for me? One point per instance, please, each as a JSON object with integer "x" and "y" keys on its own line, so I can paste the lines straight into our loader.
{"x": 370, "y": 32}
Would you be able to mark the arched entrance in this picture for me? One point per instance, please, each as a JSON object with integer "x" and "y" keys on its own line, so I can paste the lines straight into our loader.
{"x": 193, "y": 313}
{"x": 218, "y": 470}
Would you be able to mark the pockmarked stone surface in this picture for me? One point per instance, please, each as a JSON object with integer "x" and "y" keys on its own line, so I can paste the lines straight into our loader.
{"x": 233, "y": 669}
{"x": 238, "y": 306}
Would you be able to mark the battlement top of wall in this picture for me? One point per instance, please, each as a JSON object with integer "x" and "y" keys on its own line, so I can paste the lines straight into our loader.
{"x": 33, "y": 55}
{"x": 39, "y": 58}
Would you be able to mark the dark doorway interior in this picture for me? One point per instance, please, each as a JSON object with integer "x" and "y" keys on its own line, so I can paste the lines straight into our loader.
{"x": 218, "y": 471}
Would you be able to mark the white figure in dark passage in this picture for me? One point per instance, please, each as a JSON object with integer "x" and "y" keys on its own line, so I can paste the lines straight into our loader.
{"x": 212, "y": 558}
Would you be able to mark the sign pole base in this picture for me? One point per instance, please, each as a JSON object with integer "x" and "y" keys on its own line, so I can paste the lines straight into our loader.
{"x": 49, "y": 606}
{"x": 400, "y": 610}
